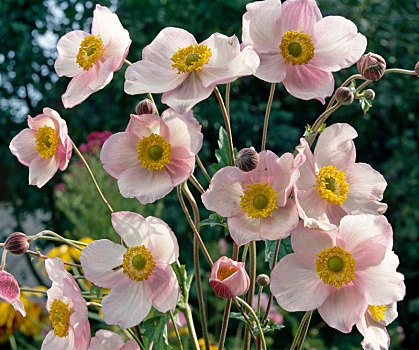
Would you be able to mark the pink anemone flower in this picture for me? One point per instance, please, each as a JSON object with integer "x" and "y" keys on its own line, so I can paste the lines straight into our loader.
{"x": 256, "y": 203}
{"x": 332, "y": 185}
{"x": 44, "y": 147}
{"x": 298, "y": 47}
{"x": 153, "y": 155}
{"x": 9, "y": 291}
{"x": 91, "y": 58}
{"x": 139, "y": 273}
{"x": 340, "y": 272}
{"x": 373, "y": 326}
{"x": 187, "y": 72}
{"x": 108, "y": 340}
{"x": 67, "y": 310}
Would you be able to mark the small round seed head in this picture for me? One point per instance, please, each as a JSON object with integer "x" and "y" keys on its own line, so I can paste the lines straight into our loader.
{"x": 145, "y": 107}
{"x": 247, "y": 159}
{"x": 369, "y": 94}
{"x": 344, "y": 95}
{"x": 17, "y": 243}
{"x": 371, "y": 66}
{"x": 263, "y": 280}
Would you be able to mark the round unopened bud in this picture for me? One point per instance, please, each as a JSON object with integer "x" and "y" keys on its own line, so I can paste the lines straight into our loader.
{"x": 369, "y": 94}
{"x": 263, "y": 280}
{"x": 417, "y": 69}
{"x": 17, "y": 243}
{"x": 344, "y": 95}
{"x": 247, "y": 159}
{"x": 145, "y": 107}
{"x": 371, "y": 66}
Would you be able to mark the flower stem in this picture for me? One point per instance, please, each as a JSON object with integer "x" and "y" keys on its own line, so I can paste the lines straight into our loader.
{"x": 401, "y": 71}
{"x": 41, "y": 235}
{"x": 92, "y": 303}
{"x": 204, "y": 171}
{"x": 132, "y": 333}
{"x": 223, "y": 332}
{"x": 268, "y": 111}
{"x": 179, "y": 340}
{"x": 268, "y": 306}
{"x": 301, "y": 331}
{"x": 150, "y": 96}
{"x": 196, "y": 183}
{"x": 32, "y": 290}
{"x": 191, "y": 328}
{"x": 251, "y": 291}
{"x": 228, "y": 85}
{"x": 92, "y": 177}
{"x": 38, "y": 254}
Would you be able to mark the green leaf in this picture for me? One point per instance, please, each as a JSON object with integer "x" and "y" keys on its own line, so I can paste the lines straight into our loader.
{"x": 222, "y": 154}
{"x": 269, "y": 327}
{"x": 96, "y": 290}
{"x": 154, "y": 330}
{"x": 284, "y": 249}
{"x": 184, "y": 280}
{"x": 365, "y": 104}
{"x": 213, "y": 220}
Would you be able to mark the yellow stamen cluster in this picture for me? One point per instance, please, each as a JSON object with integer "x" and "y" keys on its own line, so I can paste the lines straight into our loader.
{"x": 377, "y": 311}
{"x": 296, "y": 47}
{"x": 258, "y": 200}
{"x": 191, "y": 58}
{"x": 90, "y": 51}
{"x": 335, "y": 266}
{"x": 138, "y": 263}
{"x": 224, "y": 273}
{"x": 331, "y": 185}
{"x": 59, "y": 315}
{"x": 46, "y": 142}
{"x": 154, "y": 152}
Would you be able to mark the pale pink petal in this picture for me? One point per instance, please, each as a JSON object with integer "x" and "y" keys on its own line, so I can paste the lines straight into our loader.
{"x": 68, "y": 47}
{"x": 285, "y": 178}
{"x": 281, "y": 223}
{"x": 180, "y": 169}
{"x": 335, "y": 213}
{"x": 146, "y": 124}
{"x": 82, "y": 342}
{"x": 131, "y": 227}
{"x": 298, "y": 14}
{"x": 296, "y": 285}
{"x": 337, "y": 43}
{"x": 143, "y": 184}
{"x": 261, "y": 25}
{"x": 130, "y": 345}
{"x": 244, "y": 229}
{"x": 335, "y": 147}
{"x": 9, "y": 291}
{"x": 99, "y": 259}
{"x": 224, "y": 49}
{"x": 52, "y": 342}
{"x": 310, "y": 242}
{"x": 23, "y": 146}
{"x": 381, "y": 284}
{"x": 391, "y": 313}
{"x": 307, "y": 82}
{"x": 127, "y": 304}
{"x": 40, "y": 121}
{"x": 307, "y": 168}
{"x": 163, "y": 244}
{"x": 106, "y": 340}
{"x": 147, "y": 76}
{"x": 235, "y": 284}
{"x": 187, "y": 95}
{"x": 375, "y": 334}
{"x": 272, "y": 67}
{"x": 343, "y": 308}
{"x": 164, "y": 288}
{"x": 59, "y": 123}
{"x": 41, "y": 170}
{"x": 119, "y": 152}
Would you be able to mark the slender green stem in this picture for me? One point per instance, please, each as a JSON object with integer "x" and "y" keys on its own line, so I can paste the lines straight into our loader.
{"x": 132, "y": 333}
{"x": 228, "y": 85}
{"x": 3, "y": 260}
{"x": 245, "y": 249}
{"x": 39, "y": 255}
{"x": 346, "y": 82}
{"x": 227, "y": 124}
{"x": 191, "y": 327}
{"x": 300, "y": 330}
{"x": 268, "y": 111}
{"x": 259, "y": 295}
{"x": 150, "y": 96}
{"x": 41, "y": 235}
{"x": 92, "y": 177}
{"x": 55, "y": 239}
{"x": 249, "y": 308}
{"x": 196, "y": 183}
{"x": 224, "y": 325}
{"x": 32, "y": 290}
{"x": 93, "y": 303}
{"x": 304, "y": 332}
{"x": 179, "y": 340}
{"x": 275, "y": 257}
{"x": 401, "y": 71}
{"x": 204, "y": 171}
{"x": 251, "y": 291}
{"x": 127, "y": 62}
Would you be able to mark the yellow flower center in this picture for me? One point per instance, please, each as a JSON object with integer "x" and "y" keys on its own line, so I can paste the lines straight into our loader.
{"x": 138, "y": 263}
{"x": 377, "y": 311}
{"x": 46, "y": 142}
{"x": 90, "y": 51}
{"x": 59, "y": 315}
{"x": 258, "y": 200}
{"x": 154, "y": 152}
{"x": 331, "y": 185}
{"x": 224, "y": 273}
{"x": 191, "y": 58}
{"x": 296, "y": 47}
{"x": 335, "y": 266}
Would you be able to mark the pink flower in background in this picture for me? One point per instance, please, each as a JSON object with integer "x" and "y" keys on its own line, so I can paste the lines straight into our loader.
{"x": 140, "y": 275}
{"x": 340, "y": 272}
{"x": 67, "y": 309}
{"x": 91, "y": 59}
{"x": 229, "y": 278}
{"x": 373, "y": 326}
{"x": 9, "y": 291}
{"x": 256, "y": 203}
{"x": 185, "y": 72}
{"x": 44, "y": 147}
{"x": 95, "y": 140}
{"x": 153, "y": 155}
{"x": 108, "y": 340}
{"x": 298, "y": 47}
{"x": 331, "y": 184}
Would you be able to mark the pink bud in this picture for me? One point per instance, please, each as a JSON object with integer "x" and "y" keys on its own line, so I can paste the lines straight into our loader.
{"x": 229, "y": 278}
{"x": 371, "y": 66}
{"x": 9, "y": 291}
{"x": 17, "y": 243}
{"x": 145, "y": 106}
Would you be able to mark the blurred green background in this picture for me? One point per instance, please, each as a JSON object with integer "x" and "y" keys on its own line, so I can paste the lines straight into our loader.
{"x": 388, "y": 133}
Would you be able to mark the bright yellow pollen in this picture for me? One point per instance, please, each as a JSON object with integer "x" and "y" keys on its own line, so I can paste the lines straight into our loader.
{"x": 335, "y": 266}
{"x": 90, "y": 51}
{"x": 258, "y": 200}
{"x": 331, "y": 185}
{"x": 191, "y": 58}
{"x": 224, "y": 273}
{"x": 46, "y": 142}
{"x": 296, "y": 47}
{"x": 154, "y": 152}
{"x": 59, "y": 315}
{"x": 377, "y": 311}
{"x": 138, "y": 263}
